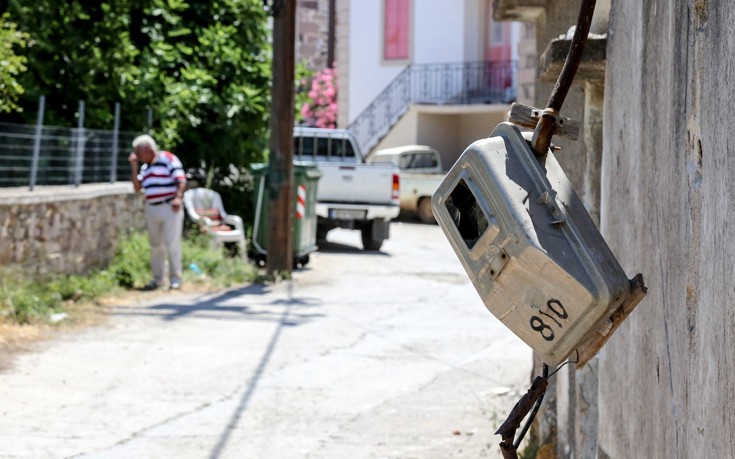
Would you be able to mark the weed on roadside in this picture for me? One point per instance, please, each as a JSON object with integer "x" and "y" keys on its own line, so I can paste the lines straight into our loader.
{"x": 27, "y": 301}
{"x": 221, "y": 267}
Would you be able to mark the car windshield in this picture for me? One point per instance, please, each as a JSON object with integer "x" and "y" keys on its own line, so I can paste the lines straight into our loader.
{"x": 323, "y": 148}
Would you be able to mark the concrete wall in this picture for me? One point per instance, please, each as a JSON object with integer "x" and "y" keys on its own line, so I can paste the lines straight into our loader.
{"x": 404, "y": 132}
{"x": 475, "y": 26}
{"x": 342, "y": 53}
{"x": 527, "y": 68}
{"x": 65, "y": 230}
{"x": 668, "y": 375}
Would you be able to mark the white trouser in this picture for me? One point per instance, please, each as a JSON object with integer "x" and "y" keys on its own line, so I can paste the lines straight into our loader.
{"x": 164, "y": 234}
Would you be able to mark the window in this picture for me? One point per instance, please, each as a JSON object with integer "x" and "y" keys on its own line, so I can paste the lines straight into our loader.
{"x": 497, "y": 34}
{"x": 396, "y": 33}
{"x": 342, "y": 148}
{"x": 304, "y": 147}
{"x": 425, "y": 160}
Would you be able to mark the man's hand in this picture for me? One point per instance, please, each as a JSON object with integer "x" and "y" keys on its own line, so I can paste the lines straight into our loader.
{"x": 133, "y": 159}
{"x": 176, "y": 204}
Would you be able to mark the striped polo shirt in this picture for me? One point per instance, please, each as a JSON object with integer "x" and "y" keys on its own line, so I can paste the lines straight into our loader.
{"x": 160, "y": 178}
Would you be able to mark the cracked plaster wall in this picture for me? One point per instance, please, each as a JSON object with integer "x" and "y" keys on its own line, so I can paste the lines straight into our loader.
{"x": 667, "y": 375}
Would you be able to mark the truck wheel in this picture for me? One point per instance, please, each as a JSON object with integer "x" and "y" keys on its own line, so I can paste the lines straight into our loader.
{"x": 321, "y": 233}
{"x": 424, "y": 210}
{"x": 370, "y": 240}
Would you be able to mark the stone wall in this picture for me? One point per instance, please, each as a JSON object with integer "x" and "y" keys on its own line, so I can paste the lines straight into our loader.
{"x": 668, "y": 375}
{"x": 312, "y": 33}
{"x": 65, "y": 230}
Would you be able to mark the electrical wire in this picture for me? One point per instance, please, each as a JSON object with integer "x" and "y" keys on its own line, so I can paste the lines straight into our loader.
{"x": 534, "y": 411}
{"x": 546, "y": 375}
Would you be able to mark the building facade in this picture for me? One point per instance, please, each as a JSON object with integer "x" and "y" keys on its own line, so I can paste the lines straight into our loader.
{"x": 382, "y": 41}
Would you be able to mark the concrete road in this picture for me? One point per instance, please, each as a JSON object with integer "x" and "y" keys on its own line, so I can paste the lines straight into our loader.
{"x": 387, "y": 354}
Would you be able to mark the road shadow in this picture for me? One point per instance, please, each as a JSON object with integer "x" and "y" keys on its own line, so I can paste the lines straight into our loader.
{"x": 406, "y": 216}
{"x": 230, "y": 305}
{"x": 284, "y": 320}
{"x": 339, "y": 248}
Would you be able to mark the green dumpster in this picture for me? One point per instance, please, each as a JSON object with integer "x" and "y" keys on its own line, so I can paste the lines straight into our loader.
{"x": 304, "y": 217}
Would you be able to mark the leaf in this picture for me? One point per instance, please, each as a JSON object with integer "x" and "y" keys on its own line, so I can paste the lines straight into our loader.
{"x": 179, "y": 32}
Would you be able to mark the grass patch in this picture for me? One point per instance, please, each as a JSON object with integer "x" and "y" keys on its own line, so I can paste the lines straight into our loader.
{"x": 220, "y": 267}
{"x": 24, "y": 301}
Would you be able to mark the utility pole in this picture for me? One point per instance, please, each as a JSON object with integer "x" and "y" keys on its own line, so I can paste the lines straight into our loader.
{"x": 280, "y": 172}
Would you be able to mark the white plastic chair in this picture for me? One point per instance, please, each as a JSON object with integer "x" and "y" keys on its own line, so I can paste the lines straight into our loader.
{"x": 204, "y": 206}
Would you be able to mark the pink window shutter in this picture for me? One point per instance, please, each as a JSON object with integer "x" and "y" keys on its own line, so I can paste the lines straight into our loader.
{"x": 397, "y": 23}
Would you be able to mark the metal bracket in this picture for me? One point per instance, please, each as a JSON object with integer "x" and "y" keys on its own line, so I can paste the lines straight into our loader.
{"x": 548, "y": 200}
{"x": 597, "y": 339}
{"x": 528, "y": 117}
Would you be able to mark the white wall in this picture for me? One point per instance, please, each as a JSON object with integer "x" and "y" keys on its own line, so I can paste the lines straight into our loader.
{"x": 367, "y": 75}
{"x": 475, "y": 14}
{"x": 441, "y": 33}
{"x": 438, "y": 31}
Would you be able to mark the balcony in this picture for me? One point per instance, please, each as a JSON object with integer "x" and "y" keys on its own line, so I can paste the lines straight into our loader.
{"x": 464, "y": 83}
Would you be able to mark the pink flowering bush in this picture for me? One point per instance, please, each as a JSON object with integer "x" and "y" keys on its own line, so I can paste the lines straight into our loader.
{"x": 320, "y": 107}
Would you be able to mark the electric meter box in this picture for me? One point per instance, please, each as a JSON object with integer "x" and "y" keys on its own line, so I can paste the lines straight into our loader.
{"x": 528, "y": 244}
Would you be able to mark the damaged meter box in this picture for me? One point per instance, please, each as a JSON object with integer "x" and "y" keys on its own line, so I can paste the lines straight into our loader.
{"x": 529, "y": 246}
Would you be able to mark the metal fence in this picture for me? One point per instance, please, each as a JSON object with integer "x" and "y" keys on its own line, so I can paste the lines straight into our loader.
{"x": 50, "y": 155}
{"x": 439, "y": 84}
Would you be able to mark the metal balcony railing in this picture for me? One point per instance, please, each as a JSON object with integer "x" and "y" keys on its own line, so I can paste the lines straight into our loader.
{"x": 460, "y": 83}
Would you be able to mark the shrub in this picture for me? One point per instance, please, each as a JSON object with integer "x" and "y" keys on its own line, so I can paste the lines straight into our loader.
{"x": 320, "y": 109}
{"x": 23, "y": 301}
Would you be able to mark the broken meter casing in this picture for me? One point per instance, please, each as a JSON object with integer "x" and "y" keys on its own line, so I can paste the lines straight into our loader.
{"x": 528, "y": 244}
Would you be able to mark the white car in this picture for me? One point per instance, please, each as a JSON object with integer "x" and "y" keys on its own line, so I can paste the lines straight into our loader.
{"x": 421, "y": 174}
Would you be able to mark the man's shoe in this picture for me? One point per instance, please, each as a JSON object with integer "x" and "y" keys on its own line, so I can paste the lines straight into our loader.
{"x": 175, "y": 285}
{"x": 150, "y": 286}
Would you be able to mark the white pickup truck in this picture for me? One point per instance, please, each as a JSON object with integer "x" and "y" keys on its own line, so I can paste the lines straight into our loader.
{"x": 421, "y": 174}
{"x": 351, "y": 193}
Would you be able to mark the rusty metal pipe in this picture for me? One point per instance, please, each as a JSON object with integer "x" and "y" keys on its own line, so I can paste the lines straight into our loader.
{"x": 546, "y": 124}
{"x": 574, "y": 57}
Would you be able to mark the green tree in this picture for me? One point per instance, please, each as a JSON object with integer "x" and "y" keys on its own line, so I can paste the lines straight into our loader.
{"x": 209, "y": 61}
{"x": 302, "y": 82}
{"x": 201, "y": 66}
{"x": 81, "y": 51}
{"x": 11, "y": 64}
